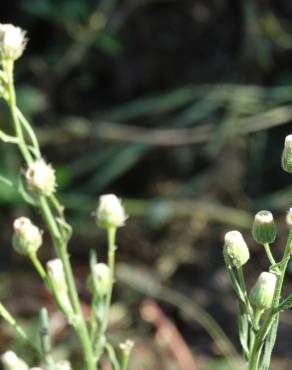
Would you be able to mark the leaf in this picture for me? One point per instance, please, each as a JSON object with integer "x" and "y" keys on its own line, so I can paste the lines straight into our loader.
{"x": 112, "y": 357}
{"x": 269, "y": 344}
{"x": 286, "y": 304}
{"x": 243, "y": 330}
{"x": 25, "y": 195}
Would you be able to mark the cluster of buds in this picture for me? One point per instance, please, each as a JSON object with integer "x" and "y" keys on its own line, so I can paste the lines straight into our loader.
{"x": 262, "y": 293}
{"x": 40, "y": 178}
{"x": 27, "y": 237}
{"x": 56, "y": 274}
{"x": 102, "y": 277}
{"x": 110, "y": 212}
{"x": 12, "y": 42}
{"x": 235, "y": 249}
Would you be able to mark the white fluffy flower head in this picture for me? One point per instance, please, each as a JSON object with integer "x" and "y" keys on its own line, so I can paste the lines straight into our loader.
{"x": 40, "y": 178}
{"x": 110, "y": 212}
{"x": 12, "y": 41}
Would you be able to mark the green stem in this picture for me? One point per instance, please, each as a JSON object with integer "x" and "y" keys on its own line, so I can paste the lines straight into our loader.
{"x": 12, "y": 104}
{"x": 260, "y": 337}
{"x": 38, "y": 266}
{"x": 111, "y": 233}
{"x": 26, "y": 125}
{"x": 257, "y": 317}
{"x": 270, "y": 255}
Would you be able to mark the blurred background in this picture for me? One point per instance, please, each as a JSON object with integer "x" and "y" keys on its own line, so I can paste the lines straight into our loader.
{"x": 181, "y": 108}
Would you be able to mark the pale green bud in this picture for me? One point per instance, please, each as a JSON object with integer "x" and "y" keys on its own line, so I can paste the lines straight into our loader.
{"x": 264, "y": 229}
{"x": 102, "y": 275}
{"x": 110, "y": 212}
{"x": 56, "y": 274}
{"x": 36, "y": 368}
{"x": 235, "y": 248}
{"x": 40, "y": 178}
{"x": 12, "y": 42}
{"x": 27, "y": 238}
{"x": 262, "y": 293}
{"x": 11, "y": 361}
{"x": 287, "y": 154}
{"x": 64, "y": 365}
{"x": 289, "y": 217}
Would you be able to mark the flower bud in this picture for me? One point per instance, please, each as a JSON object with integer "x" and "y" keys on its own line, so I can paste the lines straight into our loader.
{"x": 110, "y": 212}
{"x": 64, "y": 365}
{"x": 289, "y": 217}
{"x": 56, "y": 274}
{"x": 102, "y": 275}
{"x": 235, "y": 248}
{"x": 36, "y": 368}
{"x": 12, "y": 42}
{"x": 27, "y": 238}
{"x": 262, "y": 293}
{"x": 264, "y": 228}
{"x": 127, "y": 346}
{"x": 11, "y": 361}
{"x": 287, "y": 155}
{"x": 40, "y": 178}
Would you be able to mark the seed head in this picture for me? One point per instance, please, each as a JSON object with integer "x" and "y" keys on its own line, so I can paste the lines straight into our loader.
{"x": 110, "y": 212}
{"x": 264, "y": 229}
{"x": 235, "y": 248}
{"x": 40, "y": 178}
{"x": 27, "y": 237}
{"x": 12, "y": 42}
{"x": 262, "y": 293}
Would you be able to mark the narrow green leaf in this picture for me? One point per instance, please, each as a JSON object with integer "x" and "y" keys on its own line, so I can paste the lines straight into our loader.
{"x": 269, "y": 344}
{"x": 243, "y": 329}
{"x": 25, "y": 195}
{"x": 286, "y": 304}
{"x": 112, "y": 357}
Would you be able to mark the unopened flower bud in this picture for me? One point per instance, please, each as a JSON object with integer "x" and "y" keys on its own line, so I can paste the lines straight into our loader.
{"x": 235, "y": 248}
{"x": 127, "y": 346}
{"x": 264, "y": 230}
{"x": 102, "y": 276}
{"x": 11, "y": 361}
{"x": 12, "y": 42}
{"x": 262, "y": 293}
{"x": 110, "y": 212}
{"x": 289, "y": 217}
{"x": 56, "y": 274}
{"x": 64, "y": 365}
{"x": 40, "y": 178}
{"x": 27, "y": 237}
{"x": 36, "y": 368}
{"x": 287, "y": 154}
